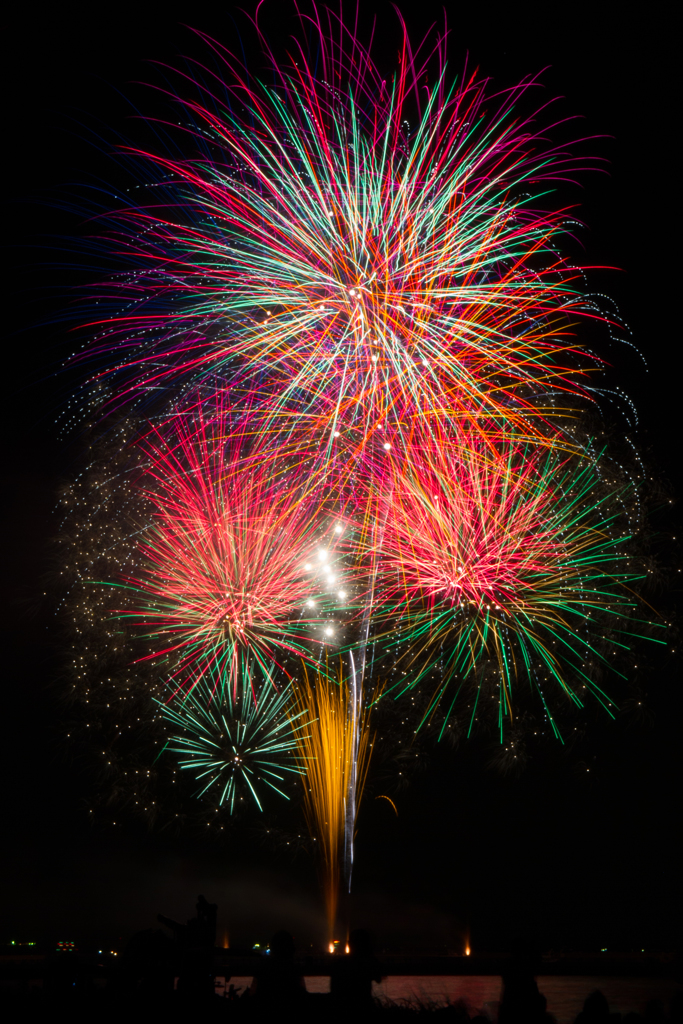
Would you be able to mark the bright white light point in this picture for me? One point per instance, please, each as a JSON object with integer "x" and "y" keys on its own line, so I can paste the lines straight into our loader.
{"x": 337, "y": 529}
{"x": 322, "y": 556}
{"x": 387, "y": 445}
{"x": 352, "y": 291}
{"x": 342, "y": 593}
{"x": 328, "y": 632}
{"x": 308, "y": 566}
{"x": 374, "y": 359}
{"x": 425, "y": 363}
{"x": 310, "y": 604}
{"x": 330, "y": 579}
{"x": 336, "y": 433}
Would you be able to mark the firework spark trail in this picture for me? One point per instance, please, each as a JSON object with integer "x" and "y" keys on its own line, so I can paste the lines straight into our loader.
{"x": 329, "y": 753}
{"x": 351, "y": 797}
{"x": 357, "y": 693}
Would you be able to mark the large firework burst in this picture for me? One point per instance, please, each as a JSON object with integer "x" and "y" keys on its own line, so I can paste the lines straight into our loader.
{"x": 222, "y": 579}
{"x": 346, "y": 250}
{"x": 348, "y": 310}
{"x": 512, "y": 559}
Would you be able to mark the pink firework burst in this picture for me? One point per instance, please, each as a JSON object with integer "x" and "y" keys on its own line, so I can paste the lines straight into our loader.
{"x": 506, "y": 560}
{"x": 221, "y": 581}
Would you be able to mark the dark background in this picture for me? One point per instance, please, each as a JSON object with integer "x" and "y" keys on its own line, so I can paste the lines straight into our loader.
{"x": 576, "y": 852}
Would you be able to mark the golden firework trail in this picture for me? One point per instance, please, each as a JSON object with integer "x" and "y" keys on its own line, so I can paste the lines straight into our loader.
{"x": 334, "y": 760}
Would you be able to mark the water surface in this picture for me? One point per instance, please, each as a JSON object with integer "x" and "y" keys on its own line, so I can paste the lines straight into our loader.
{"x": 565, "y": 995}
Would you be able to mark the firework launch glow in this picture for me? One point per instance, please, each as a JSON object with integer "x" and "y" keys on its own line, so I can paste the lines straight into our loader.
{"x": 334, "y": 747}
{"x": 348, "y": 346}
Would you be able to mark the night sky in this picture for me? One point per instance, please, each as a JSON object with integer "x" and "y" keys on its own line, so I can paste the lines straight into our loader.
{"x": 577, "y": 851}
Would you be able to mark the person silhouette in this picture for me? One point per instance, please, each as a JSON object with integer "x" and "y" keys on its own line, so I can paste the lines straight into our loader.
{"x": 654, "y": 1012}
{"x": 277, "y": 980}
{"x": 352, "y": 975}
{"x": 194, "y": 942}
{"x": 595, "y": 1010}
{"x": 206, "y": 921}
{"x": 676, "y": 1008}
{"x": 521, "y": 1002}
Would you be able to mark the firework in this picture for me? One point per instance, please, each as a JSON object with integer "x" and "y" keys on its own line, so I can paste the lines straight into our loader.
{"x": 346, "y": 252}
{"x": 224, "y": 579}
{"x": 349, "y": 313}
{"x": 334, "y": 753}
{"x": 234, "y": 745}
{"x": 508, "y": 567}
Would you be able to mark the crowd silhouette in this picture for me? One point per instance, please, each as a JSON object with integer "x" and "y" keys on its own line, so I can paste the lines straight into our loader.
{"x": 278, "y": 990}
{"x": 170, "y": 972}
{"x": 183, "y": 963}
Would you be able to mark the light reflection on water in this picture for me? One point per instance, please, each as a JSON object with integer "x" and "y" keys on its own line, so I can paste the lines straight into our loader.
{"x": 480, "y": 992}
{"x": 565, "y": 995}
